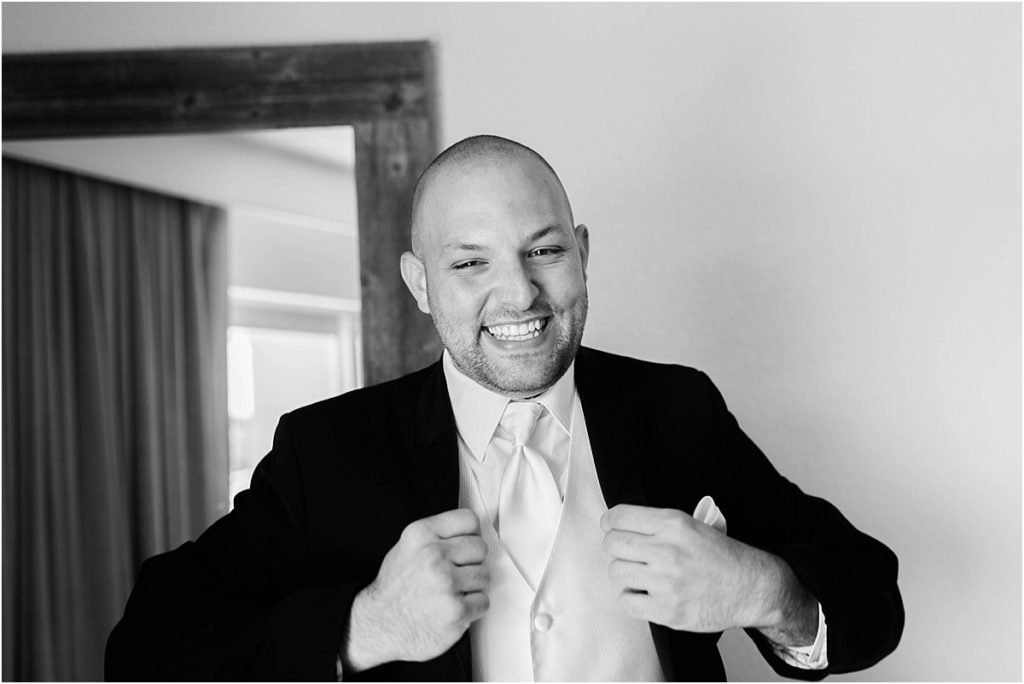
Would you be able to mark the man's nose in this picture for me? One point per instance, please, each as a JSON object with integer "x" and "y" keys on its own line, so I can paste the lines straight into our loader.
{"x": 517, "y": 290}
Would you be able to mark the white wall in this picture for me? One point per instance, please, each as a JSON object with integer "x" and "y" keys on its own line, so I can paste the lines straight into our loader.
{"x": 817, "y": 204}
{"x": 271, "y": 253}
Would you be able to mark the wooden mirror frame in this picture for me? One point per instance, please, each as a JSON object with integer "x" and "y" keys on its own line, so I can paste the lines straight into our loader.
{"x": 385, "y": 91}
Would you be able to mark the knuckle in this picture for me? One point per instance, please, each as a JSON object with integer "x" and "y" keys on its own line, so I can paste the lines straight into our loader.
{"x": 467, "y": 611}
{"x": 673, "y": 555}
{"x": 453, "y": 610}
{"x": 448, "y": 584}
{"x": 675, "y": 519}
{"x": 464, "y": 547}
{"x": 414, "y": 530}
{"x": 434, "y": 556}
{"x": 474, "y": 548}
{"x": 464, "y": 517}
{"x": 676, "y": 592}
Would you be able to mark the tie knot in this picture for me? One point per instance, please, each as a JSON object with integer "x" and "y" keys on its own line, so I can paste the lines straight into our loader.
{"x": 520, "y": 418}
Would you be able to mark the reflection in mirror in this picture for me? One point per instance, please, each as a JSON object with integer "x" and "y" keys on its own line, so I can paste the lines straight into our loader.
{"x": 292, "y": 260}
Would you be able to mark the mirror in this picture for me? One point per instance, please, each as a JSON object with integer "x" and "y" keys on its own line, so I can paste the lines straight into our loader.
{"x": 385, "y": 91}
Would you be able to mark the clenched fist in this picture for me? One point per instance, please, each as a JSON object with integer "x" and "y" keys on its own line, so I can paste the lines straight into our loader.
{"x": 681, "y": 573}
{"x": 430, "y": 587}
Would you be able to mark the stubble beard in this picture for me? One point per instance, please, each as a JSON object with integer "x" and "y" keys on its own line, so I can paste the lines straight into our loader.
{"x": 506, "y": 378}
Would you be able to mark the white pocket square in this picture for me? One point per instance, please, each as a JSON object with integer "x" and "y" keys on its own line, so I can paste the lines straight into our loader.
{"x": 707, "y": 512}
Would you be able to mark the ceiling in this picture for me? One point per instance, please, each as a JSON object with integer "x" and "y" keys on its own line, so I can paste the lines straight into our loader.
{"x": 332, "y": 147}
{"x": 303, "y": 171}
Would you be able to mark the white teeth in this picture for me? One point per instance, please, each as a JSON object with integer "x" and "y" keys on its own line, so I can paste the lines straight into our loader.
{"x": 517, "y": 331}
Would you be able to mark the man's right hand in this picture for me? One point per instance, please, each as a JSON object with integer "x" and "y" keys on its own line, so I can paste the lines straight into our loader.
{"x": 430, "y": 587}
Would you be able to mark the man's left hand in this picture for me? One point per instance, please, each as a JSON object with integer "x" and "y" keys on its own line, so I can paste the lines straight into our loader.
{"x": 678, "y": 572}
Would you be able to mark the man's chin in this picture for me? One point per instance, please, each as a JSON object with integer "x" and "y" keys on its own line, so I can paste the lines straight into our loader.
{"x": 519, "y": 382}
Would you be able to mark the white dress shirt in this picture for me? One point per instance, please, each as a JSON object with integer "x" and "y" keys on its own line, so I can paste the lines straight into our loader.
{"x": 477, "y": 414}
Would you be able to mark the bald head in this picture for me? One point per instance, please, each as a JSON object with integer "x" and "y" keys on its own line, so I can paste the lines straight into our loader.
{"x": 465, "y": 156}
{"x": 499, "y": 265}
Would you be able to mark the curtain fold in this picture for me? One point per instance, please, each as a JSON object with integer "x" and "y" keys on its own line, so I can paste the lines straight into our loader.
{"x": 114, "y": 403}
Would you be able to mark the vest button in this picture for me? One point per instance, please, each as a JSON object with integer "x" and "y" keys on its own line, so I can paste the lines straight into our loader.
{"x": 542, "y": 622}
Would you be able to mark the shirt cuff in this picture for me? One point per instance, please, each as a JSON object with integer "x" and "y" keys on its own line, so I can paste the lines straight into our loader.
{"x": 813, "y": 657}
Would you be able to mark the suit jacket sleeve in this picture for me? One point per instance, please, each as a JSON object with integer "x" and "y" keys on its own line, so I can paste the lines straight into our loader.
{"x": 239, "y": 602}
{"x": 852, "y": 575}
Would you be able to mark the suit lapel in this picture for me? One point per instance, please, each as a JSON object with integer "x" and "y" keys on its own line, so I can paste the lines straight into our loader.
{"x": 621, "y": 445}
{"x": 435, "y": 458}
{"x": 616, "y": 433}
{"x": 435, "y": 471}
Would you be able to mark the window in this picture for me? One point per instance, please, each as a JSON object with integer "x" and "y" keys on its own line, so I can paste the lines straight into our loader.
{"x": 285, "y": 350}
{"x": 294, "y": 298}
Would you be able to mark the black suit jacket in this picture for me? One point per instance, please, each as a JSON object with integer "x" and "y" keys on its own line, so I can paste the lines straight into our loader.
{"x": 266, "y": 591}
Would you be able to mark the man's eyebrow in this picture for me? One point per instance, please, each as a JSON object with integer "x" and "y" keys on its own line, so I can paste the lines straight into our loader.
{"x": 544, "y": 232}
{"x": 461, "y": 247}
{"x": 473, "y": 247}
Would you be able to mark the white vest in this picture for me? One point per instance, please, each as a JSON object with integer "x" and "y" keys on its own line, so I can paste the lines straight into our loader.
{"x": 571, "y": 629}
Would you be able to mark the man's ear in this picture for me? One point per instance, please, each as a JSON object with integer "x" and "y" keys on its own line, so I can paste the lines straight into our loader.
{"x": 415, "y": 276}
{"x": 583, "y": 242}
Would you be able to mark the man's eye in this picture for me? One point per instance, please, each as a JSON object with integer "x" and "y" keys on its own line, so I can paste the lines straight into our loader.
{"x": 546, "y": 251}
{"x": 467, "y": 264}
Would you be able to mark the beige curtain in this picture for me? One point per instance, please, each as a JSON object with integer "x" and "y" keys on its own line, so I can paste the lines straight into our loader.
{"x": 114, "y": 403}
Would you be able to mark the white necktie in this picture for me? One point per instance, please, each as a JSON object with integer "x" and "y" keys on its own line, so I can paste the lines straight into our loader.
{"x": 528, "y": 503}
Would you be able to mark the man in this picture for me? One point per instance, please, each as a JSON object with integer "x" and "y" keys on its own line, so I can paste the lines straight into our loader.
{"x": 524, "y": 509}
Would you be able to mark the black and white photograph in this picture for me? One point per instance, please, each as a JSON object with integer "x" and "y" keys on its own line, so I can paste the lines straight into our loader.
{"x": 511, "y": 341}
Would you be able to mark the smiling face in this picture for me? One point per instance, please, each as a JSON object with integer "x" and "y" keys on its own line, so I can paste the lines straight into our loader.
{"x": 501, "y": 271}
